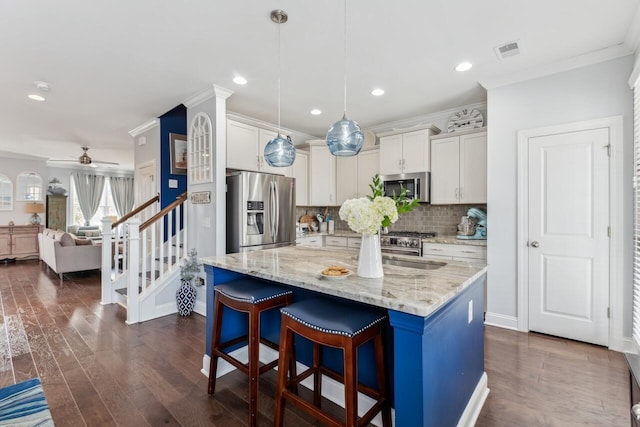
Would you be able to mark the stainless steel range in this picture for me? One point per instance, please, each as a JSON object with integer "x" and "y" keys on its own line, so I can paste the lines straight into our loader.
{"x": 404, "y": 242}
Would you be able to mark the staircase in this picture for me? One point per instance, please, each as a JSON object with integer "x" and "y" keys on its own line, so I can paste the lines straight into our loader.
{"x": 141, "y": 266}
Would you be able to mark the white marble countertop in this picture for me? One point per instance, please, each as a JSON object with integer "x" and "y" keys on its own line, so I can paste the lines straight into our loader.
{"x": 409, "y": 290}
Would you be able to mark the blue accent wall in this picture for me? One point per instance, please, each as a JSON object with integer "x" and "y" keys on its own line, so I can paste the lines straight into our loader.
{"x": 174, "y": 121}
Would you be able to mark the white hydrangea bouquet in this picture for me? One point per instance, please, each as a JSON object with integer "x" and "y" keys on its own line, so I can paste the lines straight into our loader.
{"x": 366, "y": 215}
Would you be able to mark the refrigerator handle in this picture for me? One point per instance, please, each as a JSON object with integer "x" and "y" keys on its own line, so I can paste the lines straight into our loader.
{"x": 276, "y": 221}
{"x": 272, "y": 210}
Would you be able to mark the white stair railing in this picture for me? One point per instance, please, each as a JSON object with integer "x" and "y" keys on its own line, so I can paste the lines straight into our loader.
{"x": 148, "y": 253}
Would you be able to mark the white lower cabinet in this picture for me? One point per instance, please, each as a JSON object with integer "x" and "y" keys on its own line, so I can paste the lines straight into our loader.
{"x": 451, "y": 252}
{"x": 353, "y": 242}
{"x": 310, "y": 241}
{"x": 335, "y": 241}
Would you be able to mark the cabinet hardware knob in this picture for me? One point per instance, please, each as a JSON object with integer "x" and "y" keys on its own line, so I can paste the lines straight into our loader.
{"x": 635, "y": 411}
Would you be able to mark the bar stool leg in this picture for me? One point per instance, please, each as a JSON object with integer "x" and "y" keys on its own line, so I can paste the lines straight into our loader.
{"x": 286, "y": 347}
{"x": 351, "y": 384}
{"x": 215, "y": 343}
{"x": 382, "y": 380}
{"x": 254, "y": 364}
{"x": 317, "y": 376}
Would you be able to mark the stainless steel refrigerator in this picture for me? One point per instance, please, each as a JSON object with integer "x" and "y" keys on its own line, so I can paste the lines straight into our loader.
{"x": 260, "y": 211}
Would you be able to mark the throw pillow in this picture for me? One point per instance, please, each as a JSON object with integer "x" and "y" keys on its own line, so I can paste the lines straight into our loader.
{"x": 82, "y": 242}
{"x": 65, "y": 239}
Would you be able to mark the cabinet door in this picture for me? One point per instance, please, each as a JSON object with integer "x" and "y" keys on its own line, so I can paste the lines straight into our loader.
{"x": 473, "y": 168}
{"x": 263, "y": 139}
{"x": 445, "y": 171}
{"x": 415, "y": 151}
{"x": 5, "y": 244}
{"x": 368, "y": 167}
{"x": 391, "y": 155}
{"x": 242, "y": 146}
{"x": 300, "y": 170}
{"x": 322, "y": 177}
{"x": 346, "y": 178}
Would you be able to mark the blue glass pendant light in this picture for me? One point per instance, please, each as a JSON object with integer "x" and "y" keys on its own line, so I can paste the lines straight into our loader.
{"x": 279, "y": 152}
{"x": 345, "y": 138}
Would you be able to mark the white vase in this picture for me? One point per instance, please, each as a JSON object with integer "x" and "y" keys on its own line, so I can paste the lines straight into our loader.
{"x": 370, "y": 259}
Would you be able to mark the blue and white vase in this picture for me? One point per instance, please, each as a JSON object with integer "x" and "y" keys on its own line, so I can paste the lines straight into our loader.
{"x": 186, "y": 298}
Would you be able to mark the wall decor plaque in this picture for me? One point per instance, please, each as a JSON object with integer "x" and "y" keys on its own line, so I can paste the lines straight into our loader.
{"x": 201, "y": 197}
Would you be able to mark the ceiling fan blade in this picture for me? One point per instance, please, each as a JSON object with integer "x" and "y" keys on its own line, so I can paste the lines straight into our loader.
{"x": 105, "y": 163}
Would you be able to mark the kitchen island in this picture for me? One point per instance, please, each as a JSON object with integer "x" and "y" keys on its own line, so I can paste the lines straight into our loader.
{"x": 435, "y": 340}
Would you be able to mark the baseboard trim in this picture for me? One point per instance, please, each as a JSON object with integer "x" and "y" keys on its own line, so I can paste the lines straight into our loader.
{"x": 623, "y": 345}
{"x": 501, "y": 321}
{"x": 331, "y": 389}
{"x": 200, "y": 308}
{"x": 475, "y": 404}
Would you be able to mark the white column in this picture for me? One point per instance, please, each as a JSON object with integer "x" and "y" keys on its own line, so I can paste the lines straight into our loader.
{"x": 105, "y": 273}
{"x": 133, "y": 309}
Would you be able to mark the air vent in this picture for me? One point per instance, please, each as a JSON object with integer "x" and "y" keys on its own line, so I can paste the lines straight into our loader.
{"x": 507, "y": 50}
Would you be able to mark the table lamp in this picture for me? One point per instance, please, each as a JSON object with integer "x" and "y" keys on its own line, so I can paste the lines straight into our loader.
{"x": 35, "y": 209}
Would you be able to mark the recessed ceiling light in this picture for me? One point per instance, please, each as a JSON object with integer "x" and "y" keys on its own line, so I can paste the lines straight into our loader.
{"x": 464, "y": 66}
{"x": 36, "y": 97}
{"x": 239, "y": 80}
{"x": 316, "y": 112}
{"x": 377, "y": 92}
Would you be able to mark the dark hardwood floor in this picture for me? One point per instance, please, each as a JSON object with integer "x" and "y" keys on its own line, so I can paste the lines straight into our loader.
{"x": 98, "y": 371}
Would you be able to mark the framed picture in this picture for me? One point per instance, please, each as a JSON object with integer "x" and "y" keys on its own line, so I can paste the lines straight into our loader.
{"x": 178, "y": 153}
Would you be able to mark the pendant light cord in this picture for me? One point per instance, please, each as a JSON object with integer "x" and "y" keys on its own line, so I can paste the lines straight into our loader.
{"x": 345, "y": 57}
{"x": 279, "y": 71}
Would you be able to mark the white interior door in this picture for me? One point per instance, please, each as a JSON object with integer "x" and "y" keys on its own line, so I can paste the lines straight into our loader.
{"x": 146, "y": 188}
{"x": 568, "y": 245}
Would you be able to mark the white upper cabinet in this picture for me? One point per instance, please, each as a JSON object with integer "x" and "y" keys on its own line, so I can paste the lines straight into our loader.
{"x": 300, "y": 171}
{"x": 322, "y": 174}
{"x": 459, "y": 168}
{"x": 245, "y": 148}
{"x": 406, "y": 152}
{"x": 354, "y": 173}
{"x": 242, "y": 146}
{"x": 346, "y": 178}
{"x": 368, "y": 167}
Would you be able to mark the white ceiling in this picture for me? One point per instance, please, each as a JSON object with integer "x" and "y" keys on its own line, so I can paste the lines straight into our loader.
{"x": 114, "y": 65}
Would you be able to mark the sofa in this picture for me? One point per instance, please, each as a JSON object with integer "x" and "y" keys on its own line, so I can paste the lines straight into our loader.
{"x": 66, "y": 253}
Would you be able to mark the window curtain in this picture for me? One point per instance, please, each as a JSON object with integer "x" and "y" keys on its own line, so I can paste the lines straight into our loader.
{"x": 636, "y": 209}
{"x": 122, "y": 192}
{"x": 89, "y": 191}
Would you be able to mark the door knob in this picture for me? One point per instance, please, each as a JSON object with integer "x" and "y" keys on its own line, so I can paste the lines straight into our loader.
{"x": 535, "y": 244}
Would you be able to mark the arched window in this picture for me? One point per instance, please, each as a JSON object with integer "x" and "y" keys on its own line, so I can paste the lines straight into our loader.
{"x": 29, "y": 187}
{"x": 199, "y": 149}
{"x": 6, "y": 193}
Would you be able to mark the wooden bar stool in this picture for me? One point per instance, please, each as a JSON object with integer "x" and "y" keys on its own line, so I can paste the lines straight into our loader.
{"x": 333, "y": 324}
{"x": 252, "y": 297}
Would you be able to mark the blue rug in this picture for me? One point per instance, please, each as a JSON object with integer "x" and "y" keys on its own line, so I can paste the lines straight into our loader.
{"x": 23, "y": 404}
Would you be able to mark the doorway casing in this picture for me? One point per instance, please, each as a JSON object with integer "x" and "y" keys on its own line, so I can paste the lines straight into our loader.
{"x": 616, "y": 183}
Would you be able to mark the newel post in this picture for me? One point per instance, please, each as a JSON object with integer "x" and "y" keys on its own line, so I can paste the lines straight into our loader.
{"x": 133, "y": 282}
{"x": 105, "y": 272}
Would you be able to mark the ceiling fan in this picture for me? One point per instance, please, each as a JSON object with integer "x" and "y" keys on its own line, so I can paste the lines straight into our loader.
{"x": 85, "y": 160}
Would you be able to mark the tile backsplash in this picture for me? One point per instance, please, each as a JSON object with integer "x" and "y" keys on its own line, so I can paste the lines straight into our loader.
{"x": 443, "y": 219}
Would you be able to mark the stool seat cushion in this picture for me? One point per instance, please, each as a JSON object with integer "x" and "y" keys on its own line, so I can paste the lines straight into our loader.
{"x": 251, "y": 291}
{"x": 333, "y": 317}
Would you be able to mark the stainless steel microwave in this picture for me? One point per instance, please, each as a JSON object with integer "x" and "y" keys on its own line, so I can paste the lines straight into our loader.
{"x": 416, "y": 184}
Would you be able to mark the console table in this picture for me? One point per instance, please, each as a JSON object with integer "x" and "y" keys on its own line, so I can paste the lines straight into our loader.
{"x": 19, "y": 242}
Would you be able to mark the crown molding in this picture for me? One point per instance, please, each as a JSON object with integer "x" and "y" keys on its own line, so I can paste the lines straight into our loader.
{"x": 266, "y": 125}
{"x": 595, "y": 57}
{"x": 144, "y": 127}
{"x": 213, "y": 91}
{"x": 423, "y": 121}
